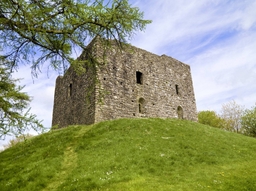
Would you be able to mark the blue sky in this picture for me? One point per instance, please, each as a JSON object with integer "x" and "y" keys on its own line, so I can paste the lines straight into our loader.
{"x": 217, "y": 38}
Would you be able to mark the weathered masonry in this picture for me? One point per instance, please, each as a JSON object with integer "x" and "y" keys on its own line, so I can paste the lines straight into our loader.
{"x": 129, "y": 83}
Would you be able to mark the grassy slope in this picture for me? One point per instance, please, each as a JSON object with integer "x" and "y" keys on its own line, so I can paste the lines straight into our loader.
{"x": 132, "y": 154}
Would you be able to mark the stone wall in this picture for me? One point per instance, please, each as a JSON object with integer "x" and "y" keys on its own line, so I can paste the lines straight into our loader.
{"x": 130, "y": 83}
{"x": 74, "y": 99}
{"x": 165, "y": 85}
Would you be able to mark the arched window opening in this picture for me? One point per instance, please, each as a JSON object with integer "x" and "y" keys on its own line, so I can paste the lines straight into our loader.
{"x": 180, "y": 112}
{"x": 141, "y": 105}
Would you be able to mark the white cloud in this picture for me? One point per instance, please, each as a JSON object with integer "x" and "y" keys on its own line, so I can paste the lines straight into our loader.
{"x": 183, "y": 21}
{"x": 41, "y": 90}
{"x": 248, "y": 18}
{"x": 226, "y": 71}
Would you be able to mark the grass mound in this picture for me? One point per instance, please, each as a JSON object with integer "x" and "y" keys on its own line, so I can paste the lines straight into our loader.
{"x": 132, "y": 154}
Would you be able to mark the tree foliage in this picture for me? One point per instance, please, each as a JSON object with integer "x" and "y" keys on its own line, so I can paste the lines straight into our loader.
{"x": 15, "y": 118}
{"x": 249, "y": 122}
{"x": 210, "y": 118}
{"x": 233, "y": 117}
{"x": 40, "y": 30}
{"x": 232, "y": 113}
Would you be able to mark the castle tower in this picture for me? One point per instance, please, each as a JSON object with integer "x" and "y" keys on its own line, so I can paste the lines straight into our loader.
{"x": 128, "y": 83}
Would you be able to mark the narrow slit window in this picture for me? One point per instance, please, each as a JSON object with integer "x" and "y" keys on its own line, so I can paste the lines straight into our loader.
{"x": 140, "y": 108}
{"x": 70, "y": 90}
{"x": 177, "y": 89}
{"x": 139, "y": 77}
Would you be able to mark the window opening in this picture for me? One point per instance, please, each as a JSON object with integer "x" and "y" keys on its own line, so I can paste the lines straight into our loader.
{"x": 141, "y": 105}
{"x": 70, "y": 90}
{"x": 177, "y": 89}
{"x": 180, "y": 112}
{"x": 139, "y": 77}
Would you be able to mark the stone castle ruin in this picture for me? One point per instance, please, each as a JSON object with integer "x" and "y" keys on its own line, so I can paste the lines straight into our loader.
{"x": 125, "y": 83}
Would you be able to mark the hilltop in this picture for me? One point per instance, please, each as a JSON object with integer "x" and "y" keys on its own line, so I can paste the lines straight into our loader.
{"x": 132, "y": 154}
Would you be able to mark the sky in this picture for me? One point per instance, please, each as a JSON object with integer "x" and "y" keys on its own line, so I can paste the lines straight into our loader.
{"x": 217, "y": 38}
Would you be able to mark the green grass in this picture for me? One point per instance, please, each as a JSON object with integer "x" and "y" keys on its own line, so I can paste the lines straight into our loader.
{"x": 132, "y": 154}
